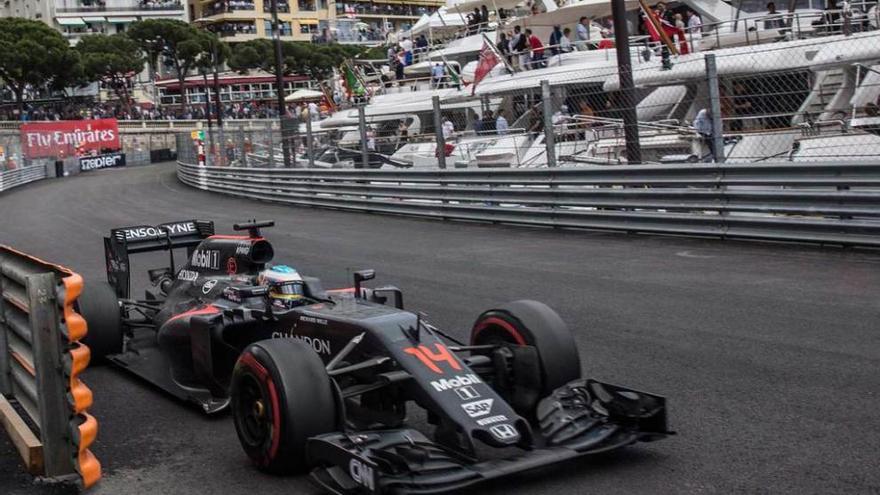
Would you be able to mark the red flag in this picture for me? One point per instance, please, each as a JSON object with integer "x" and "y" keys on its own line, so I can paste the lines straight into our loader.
{"x": 668, "y": 29}
{"x": 488, "y": 60}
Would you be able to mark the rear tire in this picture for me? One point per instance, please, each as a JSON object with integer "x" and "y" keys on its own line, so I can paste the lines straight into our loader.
{"x": 534, "y": 324}
{"x": 99, "y": 305}
{"x": 281, "y": 397}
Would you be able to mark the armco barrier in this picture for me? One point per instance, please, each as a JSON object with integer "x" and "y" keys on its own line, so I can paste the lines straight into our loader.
{"x": 21, "y": 176}
{"x": 826, "y": 203}
{"x": 43, "y": 403}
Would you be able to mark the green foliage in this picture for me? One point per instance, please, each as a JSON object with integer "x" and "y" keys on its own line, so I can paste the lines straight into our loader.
{"x": 32, "y": 53}
{"x": 214, "y": 53}
{"x": 373, "y": 53}
{"x": 176, "y": 41}
{"x": 114, "y": 59}
{"x": 313, "y": 60}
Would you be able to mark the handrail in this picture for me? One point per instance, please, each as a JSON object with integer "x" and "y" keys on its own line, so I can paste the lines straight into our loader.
{"x": 21, "y": 176}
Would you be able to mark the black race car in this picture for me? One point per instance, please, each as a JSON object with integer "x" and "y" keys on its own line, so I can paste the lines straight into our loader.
{"x": 321, "y": 380}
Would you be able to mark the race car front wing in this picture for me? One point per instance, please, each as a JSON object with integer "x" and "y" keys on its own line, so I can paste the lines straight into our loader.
{"x": 583, "y": 417}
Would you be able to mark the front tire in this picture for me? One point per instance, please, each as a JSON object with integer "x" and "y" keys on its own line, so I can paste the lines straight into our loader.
{"x": 531, "y": 323}
{"x": 281, "y": 397}
{"x": 99, "y": 305}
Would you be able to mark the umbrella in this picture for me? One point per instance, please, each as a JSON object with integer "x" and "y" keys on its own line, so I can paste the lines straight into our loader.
{"x": 304, "y": 94}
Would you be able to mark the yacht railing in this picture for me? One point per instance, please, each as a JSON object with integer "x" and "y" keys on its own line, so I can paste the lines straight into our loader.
{"x": 781, "y": 27}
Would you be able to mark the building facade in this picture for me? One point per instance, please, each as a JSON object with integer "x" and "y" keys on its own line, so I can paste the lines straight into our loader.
{"x": 350, "y": 21}
{"x": 75, "y": 18}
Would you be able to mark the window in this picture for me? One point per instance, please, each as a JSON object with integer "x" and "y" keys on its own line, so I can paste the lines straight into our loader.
{"x": 307, "y": 28}
{"x": 284, "y": 27}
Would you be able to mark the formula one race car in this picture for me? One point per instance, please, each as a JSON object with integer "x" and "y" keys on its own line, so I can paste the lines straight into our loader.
{"x": 320, "y": 380}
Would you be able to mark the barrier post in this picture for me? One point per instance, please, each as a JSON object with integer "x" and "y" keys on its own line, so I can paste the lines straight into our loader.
{"x": 52, "y": 391}
{"x": 270, "y": 162}
{"x": 242, "y": 149}
{"x": 362, "y": 127}
{"x": 715, "y": 106}
{"x": 5, "y": 369}
{"x": 438, "y": 133}
{"x": 309, "y": 142}
{"x": 549, "y": 132}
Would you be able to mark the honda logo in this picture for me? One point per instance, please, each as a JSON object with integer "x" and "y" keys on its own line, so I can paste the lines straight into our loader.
{"x": 504, "y": 432}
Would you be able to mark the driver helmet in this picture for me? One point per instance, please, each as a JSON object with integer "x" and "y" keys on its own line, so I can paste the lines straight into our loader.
{"x": 285, "y": 286}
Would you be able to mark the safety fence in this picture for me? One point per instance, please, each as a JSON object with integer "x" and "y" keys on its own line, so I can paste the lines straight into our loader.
{"x": 164, "y": 125}
{"x": 825, "y": 203}
{"x": 43, "y": 403}
{"x": 21, "y": 176}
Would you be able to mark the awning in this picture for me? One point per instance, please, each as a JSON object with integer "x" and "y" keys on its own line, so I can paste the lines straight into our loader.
{"x": 122, "y": 20}
{"x": 310, "y": 22}
{"x": 95, "y": 19}
{"x": 70, "y": 21}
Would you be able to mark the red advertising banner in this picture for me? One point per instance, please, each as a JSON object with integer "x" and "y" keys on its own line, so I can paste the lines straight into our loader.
{"x": 61, "y": 138}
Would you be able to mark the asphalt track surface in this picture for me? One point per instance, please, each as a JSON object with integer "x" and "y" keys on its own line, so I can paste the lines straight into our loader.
{"x": 769, "y": 354}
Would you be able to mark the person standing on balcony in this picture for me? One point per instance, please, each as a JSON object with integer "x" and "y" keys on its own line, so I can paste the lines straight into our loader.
{"x": 773, "y": 20}
{"x": 437, "y": 75}
{"x": 501, "y": 124}
{"x": 537, "y": 49}
{"x": 518, "y": 43}
{"x": 448, "y": 128}
{"x": 582, "y": 30}
{"x": 484, "y": 17}
{"x": 694, "y": 23}
{"x": 407, "y": 45}
{"x": 565, "y": 41}
{"x": 703, "y": 126}
{"x": 555, "y": 39}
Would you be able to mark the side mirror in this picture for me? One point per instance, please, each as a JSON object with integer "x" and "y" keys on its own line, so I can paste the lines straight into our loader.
{"x": 362, "y": 276}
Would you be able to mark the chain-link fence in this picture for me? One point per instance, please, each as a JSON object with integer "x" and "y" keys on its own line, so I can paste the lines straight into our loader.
{"x": 782, "y": 87}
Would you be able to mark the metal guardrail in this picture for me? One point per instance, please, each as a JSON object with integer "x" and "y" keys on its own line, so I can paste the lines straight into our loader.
{"x": 21, "y": 176}
{"x": 181, "y": 125}
{"x": 826, "y": 203}
{"x": 43, "y": 403}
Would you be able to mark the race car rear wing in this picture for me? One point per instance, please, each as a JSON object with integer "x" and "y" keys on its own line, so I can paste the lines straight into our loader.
{"x": 123, "y": 241}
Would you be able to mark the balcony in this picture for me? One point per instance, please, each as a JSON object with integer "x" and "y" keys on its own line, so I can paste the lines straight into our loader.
{"x": 283, "y": 6}
{"x": 229, "y": 7}
{"x": 361, "y": 9}
{"x": 142, "y": 5}
{"x": 230, "y": 29}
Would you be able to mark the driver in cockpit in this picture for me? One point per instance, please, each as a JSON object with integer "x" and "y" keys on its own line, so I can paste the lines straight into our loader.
{"x": 285, "y": 286}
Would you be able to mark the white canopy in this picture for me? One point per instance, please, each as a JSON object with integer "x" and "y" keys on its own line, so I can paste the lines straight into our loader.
{"x": 438, "y": 22}
{"x": 467, "y": 6}
{"x": 570, "y": 14}
{"x": 303, "y": 94}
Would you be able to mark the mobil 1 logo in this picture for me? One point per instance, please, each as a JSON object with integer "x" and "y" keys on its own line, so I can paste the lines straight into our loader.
{"x": 206, "y": 258}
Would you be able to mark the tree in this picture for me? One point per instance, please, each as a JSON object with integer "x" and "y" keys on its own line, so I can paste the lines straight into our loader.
{"x": 253, "y": 55}
{"x": 315, "y": 61}
{"x": 214, "y": 54}
{"x": 33, "y": 54}
{"x": 114, "y": 59}
{"x": 175, "y": 41}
